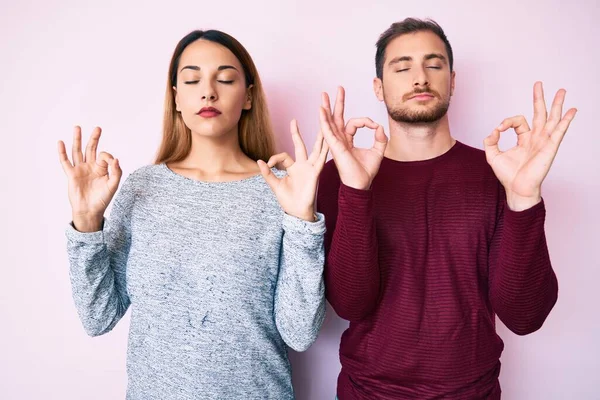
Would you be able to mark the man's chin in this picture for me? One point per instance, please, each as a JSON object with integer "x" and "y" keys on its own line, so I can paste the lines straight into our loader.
{"x": 417, "y": 115}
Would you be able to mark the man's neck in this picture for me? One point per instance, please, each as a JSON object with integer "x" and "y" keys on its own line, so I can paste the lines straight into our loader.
{"x": 417, "y": 142}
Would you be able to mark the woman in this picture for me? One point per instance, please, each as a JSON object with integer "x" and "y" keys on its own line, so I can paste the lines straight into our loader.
{"x": 219, "y": 254}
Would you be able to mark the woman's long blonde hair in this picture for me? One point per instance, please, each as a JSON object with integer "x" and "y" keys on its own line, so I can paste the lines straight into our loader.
{"x": 254, "y": 128}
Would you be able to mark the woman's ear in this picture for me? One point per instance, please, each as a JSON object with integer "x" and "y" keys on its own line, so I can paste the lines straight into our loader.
{"x": 176, "y": 100}
{"x": 248, "y": 103}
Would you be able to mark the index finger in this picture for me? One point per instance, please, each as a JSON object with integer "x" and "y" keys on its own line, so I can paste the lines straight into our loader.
{"x": 355, "y": 123}
{"x": 518, "y": 123}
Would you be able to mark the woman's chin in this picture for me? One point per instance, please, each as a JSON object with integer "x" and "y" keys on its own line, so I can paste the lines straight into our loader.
{"x": 212, "y": 132}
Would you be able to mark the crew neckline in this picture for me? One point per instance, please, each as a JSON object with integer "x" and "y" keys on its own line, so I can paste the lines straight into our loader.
{"x": 417, "y": 163}
{"x": 182, "y": 178}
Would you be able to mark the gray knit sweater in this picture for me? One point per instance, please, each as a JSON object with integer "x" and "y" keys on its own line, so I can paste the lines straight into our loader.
{"x": 219, "y": 278}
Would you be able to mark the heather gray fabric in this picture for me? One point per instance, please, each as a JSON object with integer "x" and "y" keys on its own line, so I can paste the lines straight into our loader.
{"x": 219, "y": 278}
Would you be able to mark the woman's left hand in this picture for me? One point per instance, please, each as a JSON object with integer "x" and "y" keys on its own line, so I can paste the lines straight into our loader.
{"x": 297, "y": 190}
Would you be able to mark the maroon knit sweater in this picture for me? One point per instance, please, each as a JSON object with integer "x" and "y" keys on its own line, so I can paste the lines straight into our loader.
{"x": 420, "y": 264}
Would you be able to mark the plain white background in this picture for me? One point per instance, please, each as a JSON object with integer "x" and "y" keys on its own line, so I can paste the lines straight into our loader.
{"x": 105, "y": 63}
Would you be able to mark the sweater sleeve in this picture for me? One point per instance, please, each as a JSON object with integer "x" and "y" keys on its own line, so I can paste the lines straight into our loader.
{"x": 300, "y": 291}
{"x": 523, "y": 285}
{"x": 97, "y": 267}
{"x": 352, "y": 276}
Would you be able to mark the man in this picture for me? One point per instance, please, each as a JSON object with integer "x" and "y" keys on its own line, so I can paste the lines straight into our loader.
{"x": 428, "y": 239}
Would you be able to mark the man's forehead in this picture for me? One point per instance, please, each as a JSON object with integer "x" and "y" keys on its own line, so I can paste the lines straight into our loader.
{"x": 422, "y": 42}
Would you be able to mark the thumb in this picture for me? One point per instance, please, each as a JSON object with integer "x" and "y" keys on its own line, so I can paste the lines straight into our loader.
{"x": 269, "y": 176}
{"x": 380, "y": 140}
{"x": 115, "y": 175}
{"x": 490, "y": 145}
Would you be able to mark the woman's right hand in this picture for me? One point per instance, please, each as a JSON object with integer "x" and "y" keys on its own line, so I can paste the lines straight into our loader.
{"x": 91, "y": 187}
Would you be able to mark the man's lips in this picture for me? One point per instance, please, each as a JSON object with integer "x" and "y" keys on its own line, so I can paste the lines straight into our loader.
{"x": 422, "y": 96}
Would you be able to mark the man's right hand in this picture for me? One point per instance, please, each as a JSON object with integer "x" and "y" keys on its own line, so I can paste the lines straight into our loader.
{"x": 357, "y": 167}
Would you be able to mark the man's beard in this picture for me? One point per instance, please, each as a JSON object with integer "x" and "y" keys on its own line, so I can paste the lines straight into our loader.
{"x": 421, "y": 116}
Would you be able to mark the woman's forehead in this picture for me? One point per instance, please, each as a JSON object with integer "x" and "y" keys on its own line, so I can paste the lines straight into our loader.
{"x": 207, "y": 54}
